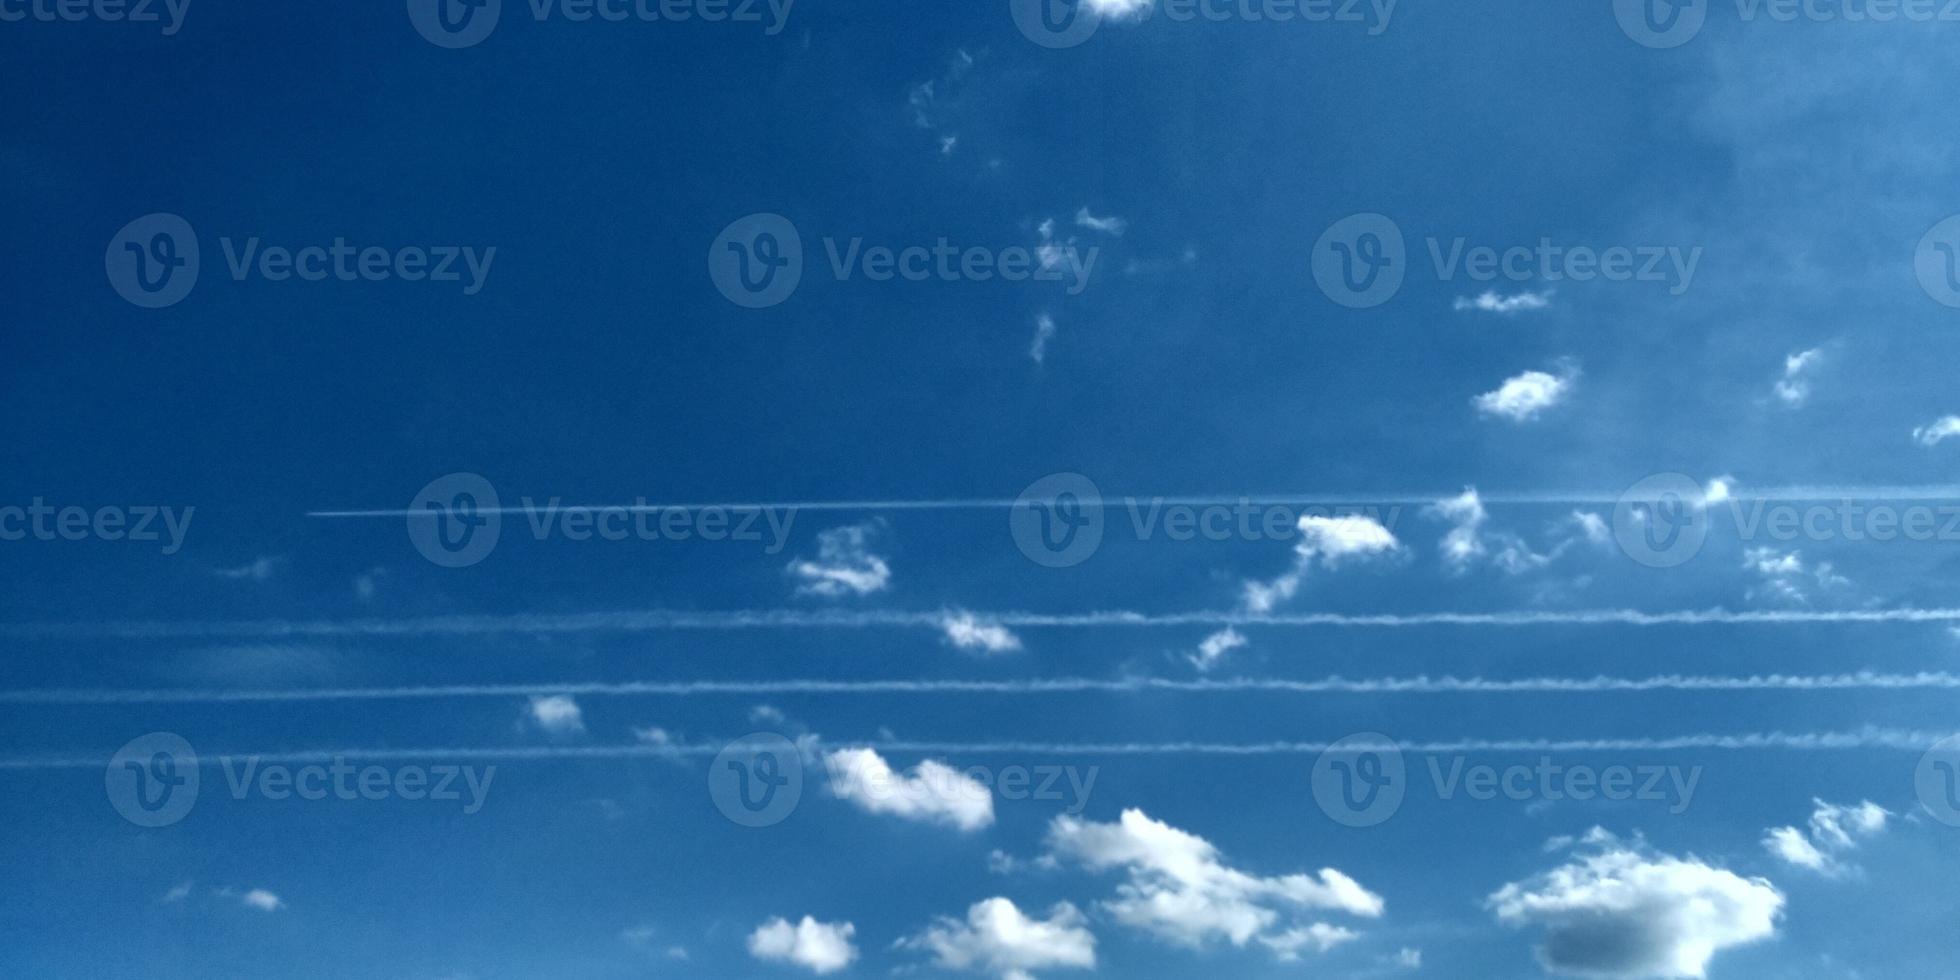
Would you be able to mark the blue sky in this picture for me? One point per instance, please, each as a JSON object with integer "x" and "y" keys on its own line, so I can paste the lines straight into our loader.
{"x": 1047, "y": 498}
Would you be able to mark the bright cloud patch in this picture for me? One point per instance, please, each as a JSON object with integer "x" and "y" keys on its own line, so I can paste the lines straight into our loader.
{"x": 1624, "y": 912}
{"x": 1216, "y": 646}
{"x": 1491, "y": 302}
{"x": 1793, "y": 389}
{"x": 1937, "y": 432}
{"x": 932, "y": 792}
{"x": 967, "y": 632}
{"x": 999, "y": 938}
{"x": 1527, "y": 396}
{"x": 1118, "y": 9}
{"x": 1330, "y": 540}
{"x": 1834, "y": 830}
{"x": 1180, "y": 890}
{"x": 820, "y": 947}
{"x": 844, "y": 564}
{"x": 557, "y": 715}
{"x": 1111, "y": 225}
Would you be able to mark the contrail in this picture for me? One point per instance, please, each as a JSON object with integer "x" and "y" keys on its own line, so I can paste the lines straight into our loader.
{"x": 1865, "y": 739}
{"x": 1863, "y": 680}
{"x": 657, "y": 620}
{"x": 1789, "y": 494}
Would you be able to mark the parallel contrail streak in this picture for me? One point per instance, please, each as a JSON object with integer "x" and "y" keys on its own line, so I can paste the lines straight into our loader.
{"x": 659, "y": 620}
{"x": 1790, "y": 494}
{"x": 1864, "y": 680}
{"x": 1867, "y": 739}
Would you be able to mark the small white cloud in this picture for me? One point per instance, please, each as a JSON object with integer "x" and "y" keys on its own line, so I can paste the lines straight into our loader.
{"x": 1625, "y": 912}
{"x": 1468, "y": 542}
{"x": 1216, "y": 646}
{"x": 820, "y": 947}
{"x": 1592, "y": 526}
{"x": 264, "y": 901}
{"x": 1331, "y": 541}
{"x": 998, "y": 938}
{"x": 844, "y": 564}
{"x": 932, "y": 792}
{"x": 1719, "y": 491}
{"x": 1527, "y": 396}
{"x": 1834, "y": 830}
{"x": 1934, "y": 433}
{"x": 1407, "y": 958}
{"x": 178, "y": 894}
{"x": 1109, "y": 226}
{"x": 1491, "y": 302}
{"x": 1044, "y": 331}
{"x": 557, "y": 715}
{"x": 966, "y": 631}
{"x": 1793, "y": 389}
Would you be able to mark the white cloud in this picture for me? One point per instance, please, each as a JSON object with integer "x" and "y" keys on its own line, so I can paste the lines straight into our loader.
{"x": 967, "y": 632}
{"x": 931, "y": 792}
{"x": 844, "y": 564}
{"x": 1468, "y": 542}
{"x": 1180, "y": 890}
{"x": 1592, "y": 526}
{"x": 1491, "y": 302}
{"x": 1109, "y": 226}
{"x": 1834, "y": 830}
{"x": 1118, "y": 9}
{"x": 1215, "y": 647}
{"x": 1525, "y": 397}
{"x": 1625, "y": 912}
{"x": 1793, "y": 389}
{"x": 1331, "y": 540}
{"x": 259, "y": 898}
{"x": 999, "y": 938}
{"x": 1044, "y": 331}
{"x": 1936, "y": 432}
{"x": 178, "y": 894}
{"x": 820, "y": 947}
{"x": 1783, "y": 575}
{"x": 1719, "y": 491}
{"x": 557, "y": 714}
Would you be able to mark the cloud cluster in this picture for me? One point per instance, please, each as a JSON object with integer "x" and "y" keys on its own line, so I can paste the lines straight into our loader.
{"x": 998, "y": 938}
{"x": 1834, "y": 830}
{"x": 844, "y": 564}
{"x": 820, "y": 947}
{"x": 932, "y": 792}
{"x": 1328, "y": 540}
{"x": 1529, "y": 395}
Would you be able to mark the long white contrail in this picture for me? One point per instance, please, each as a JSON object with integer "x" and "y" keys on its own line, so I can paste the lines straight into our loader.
{"x": 1864, "y": 739}
{"x": 1863, "y": 680}
{"x": 1786, "y": 494}
{"x": 661, "y": 620}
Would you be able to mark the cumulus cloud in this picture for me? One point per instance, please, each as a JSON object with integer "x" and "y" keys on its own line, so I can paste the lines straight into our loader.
{"x": 1215, "y": 647}
{"x": 820, "y": 947}
{"x": 998, "y": 938}
{"x": 1111, "y": 225}
{"x": 1622, "y": 911}
{"x": 967, "y": 632}
{"x": 1934, "y": 433}
{"x": 1529, "y": 395}
{"x": 1044, "y": 331}
{"x": 844, "y": 564}
{"x": 1784, "y": 575}
{"x": 1180, "y": 890}
{"x": 1470, "y": 541}
{"x": 1331, "y": 541}
{"x": 1492, "y": 302}
{"x": 1118, "y": 9}
{"x": 932, "y": 792}
{"x": 557, "y": 714}
{"x": 1834, "y": 830}
{"x": 1793, "y": 389}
